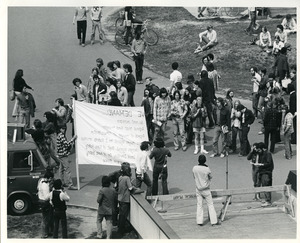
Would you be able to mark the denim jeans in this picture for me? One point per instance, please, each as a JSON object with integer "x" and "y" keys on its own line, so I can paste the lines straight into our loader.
{"x": 178, "y": 129}
{"x": 255, "y": 97}
{"x": 123, "y": 214}
{"x": 266, "y": 180}
{"x": 209, "y": 109}
{"x": 199, "y": 137}
{"x": 156, "y": 171}
{"x": 60, "y": 216}
{"x": 96, "y": 25}
{"x": 235, "y": 132}
{"x": 130, "y": 100}
{"x": 81, "y": 30}
{"x": 24, "y": 117}
{"x": 217, "y": 133}
{"x": 108, "y": 220}
{"x": 245, "y": 145}
{"x": 65, "y": 171}
{"x": 139, "y": 62}
{"x": 287, "y": 145}
{"x": 46, "y": 214}
{"x": 206, "y": 195}
{"x": 271, "y": 132}
{"x": 255, "y": 176}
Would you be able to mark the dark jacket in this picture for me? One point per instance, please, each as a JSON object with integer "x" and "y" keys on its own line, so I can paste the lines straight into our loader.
{"x": 101, "y": 87}
{"x": 147, "y": 106}
{"x": 281, "y": 64}
{"x": 224, "y": 117}
{"x": 129, "y": 82}
{"x": 19, "y": 83}
{"x": 267, "y": 160}
{"x": 249, "y": 118}
{"x": 208, "y": 90}
{"x": 107, "y": 200}
{"x": 293, "y": 103}
{"x": 272, "y": 119}
{"x": 57, "y": 203}
{"x": 154, "y": 89}
{"x": 262, "y": 88}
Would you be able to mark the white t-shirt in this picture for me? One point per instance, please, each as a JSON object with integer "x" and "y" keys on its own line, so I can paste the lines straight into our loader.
{"x": 255, "y": 84}
{"x": 202, "y": 177}
{"x": 175, "y": 77}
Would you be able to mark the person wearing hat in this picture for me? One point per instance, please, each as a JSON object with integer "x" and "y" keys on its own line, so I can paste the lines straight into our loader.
{"x": 160, "y": 154}
{"x": 63, "y": 151}
{"x": 208, "y": 38}
{"x": 202, "y": 176}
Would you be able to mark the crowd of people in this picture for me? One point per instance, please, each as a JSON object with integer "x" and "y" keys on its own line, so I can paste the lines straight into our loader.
{"x": 192, "y": 109}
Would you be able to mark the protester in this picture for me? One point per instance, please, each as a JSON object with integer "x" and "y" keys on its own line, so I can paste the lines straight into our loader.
{"x": 198, "y": 115}
{"x": 81, "y": 17}
{"x": 63, "y": 151}
{"x": 107, "y": 199}
{"x": 160, "y": 169}
{"x": 235, "y": 126}
{"x": 80, "y": 90}
{"x": 44, "y": 188}
{"x": 60, "y": 112}
{"x": 161, "y": 112}
{"x": 222, "y": 128}
{"x": 154, "y": 89}
{"x": 256, "y": 78}
{"x": 122, "y": 93}
{"x": 188, "y": 97}
{"x": 101, "y": 69}
{"x": 116, "y": 73}
{"x": 114, "y": 101}
{"x": 254, "y": 157}
{"x": 208, "y": 39}
{"x": 265, "y": 172}
{"x": 178, "y": 112}
{"x": 281, "y": 66}
{"x": 99, "y": 91}
{"x": 229, "y": 99}
{"x": 247, "y": 118}
{"x": 202, "y": 176}
{"x": 143, "y": 164}
{"x": 25, "y": 108}
{"x": 110, "y": 87}
{"x": 147, "y": 103}
{"x": 129, "y": 84}
{"x": 58, "y": 199}
{"x": 90, "y": 84}
{"x": 289, "y": 24}
{"x": 293, "y": 109}
{"x": 287, "y": 131}
{"x": 197, "y": 88}
{"x": 175, "y": 76}
{"x": 212, "y": 70}
{"x": 138, "y": 48}
{"x": 96, "y": 15}
{"x": 207, "y": 86}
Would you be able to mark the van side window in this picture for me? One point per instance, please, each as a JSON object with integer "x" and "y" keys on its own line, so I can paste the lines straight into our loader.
{"x": 21, "y": 160}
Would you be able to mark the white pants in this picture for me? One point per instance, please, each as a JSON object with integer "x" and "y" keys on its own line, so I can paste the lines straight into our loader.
{"x": 206, "y": 195}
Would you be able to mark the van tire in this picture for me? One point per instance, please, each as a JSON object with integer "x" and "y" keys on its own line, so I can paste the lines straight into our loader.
{"x": 19, "y": 204}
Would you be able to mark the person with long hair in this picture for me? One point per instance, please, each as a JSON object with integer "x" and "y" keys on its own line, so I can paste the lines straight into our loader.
{"x": 160, "y": 169}
{"x": 178, "y": 112}
{"x": 129, "y": 83}
{"x": 91, "y": 82}
{"x": 114, "y": 101}
{"x": 198, "y": 115}
{"x": 122, "y": 93}
{"x": 235, "y": 126}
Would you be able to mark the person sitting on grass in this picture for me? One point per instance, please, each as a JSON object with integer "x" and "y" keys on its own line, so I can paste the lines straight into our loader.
{"x": 289, "y": 25}
{"x": 208, "y": 38}
{"x": 277, "y": 45}
{"x": 264, "y": 40}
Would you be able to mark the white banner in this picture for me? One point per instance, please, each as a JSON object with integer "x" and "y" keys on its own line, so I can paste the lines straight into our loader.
{"x": 108, "y": 135}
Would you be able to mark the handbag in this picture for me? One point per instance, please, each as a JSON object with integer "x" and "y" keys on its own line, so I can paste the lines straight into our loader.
{"x": 12, "y": 94}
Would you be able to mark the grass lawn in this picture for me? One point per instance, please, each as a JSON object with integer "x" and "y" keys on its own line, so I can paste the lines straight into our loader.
{"x": 178, "y": 34}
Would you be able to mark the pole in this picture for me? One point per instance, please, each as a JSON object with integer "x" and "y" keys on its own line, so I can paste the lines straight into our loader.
{"x": 76, "y": 147}
{"x": 226, "y": 169}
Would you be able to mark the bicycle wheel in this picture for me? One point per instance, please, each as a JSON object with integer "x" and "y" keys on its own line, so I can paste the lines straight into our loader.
{"x": 151, "y": 37}
{"x": 119, "y": 24}
{"x": 232, "y": 11}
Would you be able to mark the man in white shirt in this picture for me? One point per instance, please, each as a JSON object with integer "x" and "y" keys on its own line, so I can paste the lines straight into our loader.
{"x": 209, "y": 38}
{"x": 175, "y": 76}
{"x": 143, "y": 164}
{"x": 96, "y": 14}
{"x": 202, "y": 176}
{"x": 256, "y": 78}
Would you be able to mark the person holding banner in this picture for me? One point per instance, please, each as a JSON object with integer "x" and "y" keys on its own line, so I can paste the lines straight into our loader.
{"x": 143, "y": 163}
{"x": 160, "y": 170}
{"x": 161, "y": 113}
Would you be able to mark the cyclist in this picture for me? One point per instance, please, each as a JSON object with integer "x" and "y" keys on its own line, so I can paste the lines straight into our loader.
{"x": 129, "y": 19}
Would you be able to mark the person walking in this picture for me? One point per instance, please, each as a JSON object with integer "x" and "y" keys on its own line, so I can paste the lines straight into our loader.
{"x": 202, "y": 176}
{"x": 58, "y": 199}
{"x": 96, "y": 15}
{"x": 107, "y": 199}
{"x": 160, "y": 170}
{"x": 138, "y": 48}
{"x": 81, "y": 17}
{"x": 178, "y": 112}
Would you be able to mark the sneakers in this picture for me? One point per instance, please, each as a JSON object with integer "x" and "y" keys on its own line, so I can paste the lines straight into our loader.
{"x": 203, "y": 151}
{"x": 218, "y": 223}
{"x": 184, "y": 148}
{"x": 92, "y": 42}
{"x": 266, "y": 204}
{"x": 83, "y": 45}
{"x": 196, "y": 151}
{"x": 176, "y": 148}
{"x": 222, "y": 155}
{"x": 213, "y": 155}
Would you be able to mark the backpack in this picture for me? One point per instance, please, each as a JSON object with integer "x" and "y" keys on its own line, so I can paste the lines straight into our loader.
{"x": 69, "y": 112}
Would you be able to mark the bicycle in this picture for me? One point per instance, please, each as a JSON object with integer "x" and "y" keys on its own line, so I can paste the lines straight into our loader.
{"x": 223, "y": 11}
{"x": 150, "y": 36}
